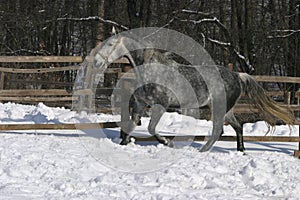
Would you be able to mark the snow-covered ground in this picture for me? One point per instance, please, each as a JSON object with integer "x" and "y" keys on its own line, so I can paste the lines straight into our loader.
{"x": 58, "y": 164}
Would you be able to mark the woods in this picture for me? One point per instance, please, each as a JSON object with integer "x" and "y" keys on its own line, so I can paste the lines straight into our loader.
{"x": 259, "y": 34}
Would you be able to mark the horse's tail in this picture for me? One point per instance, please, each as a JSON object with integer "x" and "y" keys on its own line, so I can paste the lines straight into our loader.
{"x": 270, "y": 110}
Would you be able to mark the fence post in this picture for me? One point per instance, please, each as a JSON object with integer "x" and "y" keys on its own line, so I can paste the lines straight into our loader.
{"x": 230, "y": 66}
{"x": 2, "y": 80}
{"x": 287, "y": 97}
{"x": 298, "y": 102}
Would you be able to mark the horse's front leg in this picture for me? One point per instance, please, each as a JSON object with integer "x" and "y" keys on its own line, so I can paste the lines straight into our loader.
{"x": 126, "y": 139}
{"x": 137, "y": 112}
{"x": 157, "y": 112}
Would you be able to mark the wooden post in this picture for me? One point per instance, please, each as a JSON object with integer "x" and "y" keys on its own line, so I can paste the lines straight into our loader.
{"x": 2, "y": 80}
{"x": 297, "y": 95}
{"x": 230, "y": 66}
{"x": 298, "y": 143}
{"x": 297, "y": 153}
{"x": 298, "y": 102}
{"x": 287, "y": 97}
{"x": 127, "y": 68}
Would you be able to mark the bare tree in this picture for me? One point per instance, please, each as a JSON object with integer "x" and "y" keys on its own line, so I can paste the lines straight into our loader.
{"x": 139, "y": 12}
{"x": 259, "y": 33}
{"x": 100, "y": 27}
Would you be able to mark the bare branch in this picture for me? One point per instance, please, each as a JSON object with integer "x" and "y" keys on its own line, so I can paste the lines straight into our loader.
{"x": 285, "y": 33}
{"x": 92, "y": 18}
{"x": 207, "y": 20}
{"x": 175, "y": 12}
{"x": 220, "y": 43}
{"x": 195, "y": 12}
{"x": 245, "y": 66}
{"x": 167, "y": 24}
{"x": 295, "y": 11}
{"x": 239, "y": 57}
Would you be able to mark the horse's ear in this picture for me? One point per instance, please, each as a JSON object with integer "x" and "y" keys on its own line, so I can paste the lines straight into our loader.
{"x": 113, "y": 31}
{"x": 168, "y": 55}
{"x": 148, "y": 54}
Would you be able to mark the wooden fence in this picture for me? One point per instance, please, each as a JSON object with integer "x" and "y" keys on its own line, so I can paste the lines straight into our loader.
{"x": 30, "y": 84}
{"x": 51, "y": 92}
{"x": 65, "y": 97}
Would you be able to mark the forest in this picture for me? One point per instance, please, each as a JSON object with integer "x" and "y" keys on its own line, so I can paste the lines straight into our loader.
{"x": 258, "y": 36}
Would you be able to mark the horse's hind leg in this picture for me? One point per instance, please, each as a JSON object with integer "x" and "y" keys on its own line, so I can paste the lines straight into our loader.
{"x": 239, "y": 138}
{"x": 125, "y": 138}
{"x": 238, "y": 128}
{"x": 156, "y": 113}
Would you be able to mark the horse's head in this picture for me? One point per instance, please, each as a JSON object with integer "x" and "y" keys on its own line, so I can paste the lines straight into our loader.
{"x": 118, "y": 46}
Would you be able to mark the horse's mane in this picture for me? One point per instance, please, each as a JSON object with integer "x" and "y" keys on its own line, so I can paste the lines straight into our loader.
{"x": 158, "y": 56}
{"x": 145, "y": 53}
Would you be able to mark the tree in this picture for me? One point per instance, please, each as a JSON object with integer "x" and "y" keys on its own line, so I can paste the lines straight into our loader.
{"x": 139, "y": 12}
{"x": 262, "y": 33}
{"x": 100, "y": 27}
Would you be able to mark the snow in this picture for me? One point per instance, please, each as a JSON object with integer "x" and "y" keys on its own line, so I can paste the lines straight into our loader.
{"x": 58, "y": 164}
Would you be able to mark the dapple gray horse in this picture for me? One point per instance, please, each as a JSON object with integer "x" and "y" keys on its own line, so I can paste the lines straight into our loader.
{"x": 163, "y": 83}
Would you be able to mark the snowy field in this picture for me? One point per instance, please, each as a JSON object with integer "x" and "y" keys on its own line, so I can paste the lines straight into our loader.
{"x": 91, "y": 165}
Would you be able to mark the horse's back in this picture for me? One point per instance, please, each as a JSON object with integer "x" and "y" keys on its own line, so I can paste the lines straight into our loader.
{"x": 230, "y": 79}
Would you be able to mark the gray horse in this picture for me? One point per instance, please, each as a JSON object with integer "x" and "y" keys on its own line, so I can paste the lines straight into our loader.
{"x": 163, "y": 84}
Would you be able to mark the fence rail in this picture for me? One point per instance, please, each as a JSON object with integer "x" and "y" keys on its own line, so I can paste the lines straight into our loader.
{"x": 40, "y": 59}
{"x": 278, "y": 79}
{"x": 79, "y": 126}
{"x": 227, "y": 138}
{"x": 38, "y": 71}
{"x": 246, "y": 108}
{"x": 46, "y": 92}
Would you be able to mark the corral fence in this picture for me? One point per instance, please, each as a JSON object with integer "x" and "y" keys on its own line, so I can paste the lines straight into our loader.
{"x": 33, "y": 79}
{"x": 50, "y": 79}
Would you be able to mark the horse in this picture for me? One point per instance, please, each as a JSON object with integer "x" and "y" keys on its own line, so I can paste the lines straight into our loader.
{"x": 201, "y": 83}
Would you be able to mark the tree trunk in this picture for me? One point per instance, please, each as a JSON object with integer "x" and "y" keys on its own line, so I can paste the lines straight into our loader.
{"x": 240, "y": 27}
{"x": 293, "y": 45}
{"x": 139, "y": 12}
{"x": 100, "y": 28}
{"x": 222, "y": 17}
{"x": 248, "y": 30}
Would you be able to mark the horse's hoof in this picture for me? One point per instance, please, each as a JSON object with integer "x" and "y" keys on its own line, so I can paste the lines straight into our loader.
{"x": 123, "y": 142}
{"x": 126, "y": 141}
{"x": 242, "y": 149}
{"x": 170, "y": 143}
{"x": 202, "y": 150}
{"x": 164, "y": 141}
